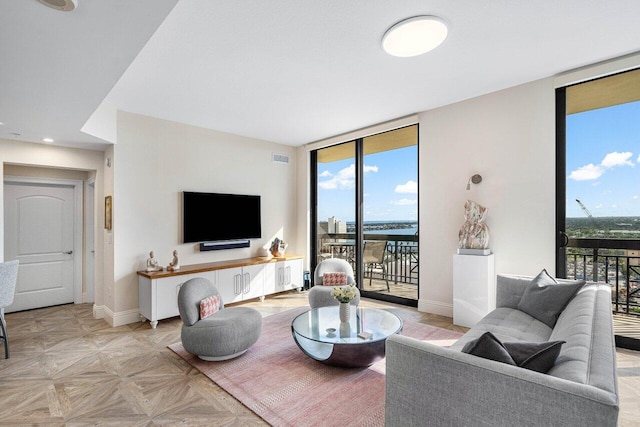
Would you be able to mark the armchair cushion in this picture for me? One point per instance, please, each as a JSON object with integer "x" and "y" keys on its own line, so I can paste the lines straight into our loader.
{"x": 338, "y": 278}
{"x": 209, "y": 306}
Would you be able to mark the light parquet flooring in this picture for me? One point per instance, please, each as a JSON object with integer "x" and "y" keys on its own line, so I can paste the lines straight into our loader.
{"x": 68, "y": 369}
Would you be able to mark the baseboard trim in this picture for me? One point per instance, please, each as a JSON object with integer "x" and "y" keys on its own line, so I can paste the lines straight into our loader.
{"x": 121, "y": 317}
{"x": 98, "y": 311}
{"x": 435, "y": 307}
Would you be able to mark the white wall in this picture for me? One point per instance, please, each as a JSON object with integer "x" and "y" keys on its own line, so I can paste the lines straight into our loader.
{"x": 155, "y": 160}
{"x": 508, "y": 137}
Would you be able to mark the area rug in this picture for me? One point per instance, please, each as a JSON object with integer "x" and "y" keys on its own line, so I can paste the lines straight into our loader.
{"x": 286, "y": 388}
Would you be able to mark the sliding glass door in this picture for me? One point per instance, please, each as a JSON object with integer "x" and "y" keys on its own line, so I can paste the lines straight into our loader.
{"x": 335, "y": 202}
{"x": 366, "y": 210}
{"x": 598, "y": 200}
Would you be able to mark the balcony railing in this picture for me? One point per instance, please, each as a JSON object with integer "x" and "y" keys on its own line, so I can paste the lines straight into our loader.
{"x": 401, "y": 255}
{"x": 613, "y": 261}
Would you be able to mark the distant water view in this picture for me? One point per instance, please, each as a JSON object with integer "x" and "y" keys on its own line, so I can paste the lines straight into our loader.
{"x": 405, "y": 228}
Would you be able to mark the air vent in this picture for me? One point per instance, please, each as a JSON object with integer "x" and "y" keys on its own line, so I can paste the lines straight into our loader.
{"x": 280, "y": 158}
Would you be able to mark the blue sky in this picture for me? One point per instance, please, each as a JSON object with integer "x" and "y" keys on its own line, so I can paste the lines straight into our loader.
{"x": 390, "y": 187}
{"x": 603, "y": 161}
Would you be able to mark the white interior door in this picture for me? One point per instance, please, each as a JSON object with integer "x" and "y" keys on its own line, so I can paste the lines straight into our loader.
{"x": 39, "y": 232}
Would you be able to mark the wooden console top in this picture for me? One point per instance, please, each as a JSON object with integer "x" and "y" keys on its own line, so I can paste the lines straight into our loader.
{"x": 210, "y": 266}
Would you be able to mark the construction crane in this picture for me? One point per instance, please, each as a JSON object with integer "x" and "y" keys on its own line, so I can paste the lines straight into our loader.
{"x": 584, "y": 208}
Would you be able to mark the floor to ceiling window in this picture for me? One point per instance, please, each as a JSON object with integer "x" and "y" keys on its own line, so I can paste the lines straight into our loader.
{"x": 599, "y": 190}
{"x": 366, "y": 210}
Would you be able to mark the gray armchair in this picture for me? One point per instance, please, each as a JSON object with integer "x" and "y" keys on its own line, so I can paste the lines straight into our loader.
{"x": 320, "y": 296}
{"x": 8, "y": 279}
{"x": 226, "y": 334}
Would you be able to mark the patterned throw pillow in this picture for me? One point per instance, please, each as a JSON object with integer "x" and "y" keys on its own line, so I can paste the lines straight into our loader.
{"x": 335, "y": 279}
{"x": 209, "y": 305}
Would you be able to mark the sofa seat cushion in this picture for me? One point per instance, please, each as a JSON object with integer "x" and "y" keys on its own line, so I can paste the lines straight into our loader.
{"x": 507, "y": 324}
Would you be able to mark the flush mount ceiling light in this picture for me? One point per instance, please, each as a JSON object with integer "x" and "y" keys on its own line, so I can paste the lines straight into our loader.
{"x": 47, "y": 140}
{"x": 414, "y": 36}
{"x": 66, "y": 5}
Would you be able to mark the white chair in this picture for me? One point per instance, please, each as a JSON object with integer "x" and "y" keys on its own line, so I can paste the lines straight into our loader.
{"x": 374, "y": 256}
{"x": 8, "y": 279}
{"x": 319, "y": 295}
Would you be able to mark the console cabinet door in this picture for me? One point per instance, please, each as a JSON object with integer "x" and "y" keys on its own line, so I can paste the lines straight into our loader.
{"x": 289, "y": 275}
{"x": 167, "y": 296}
{"x": 294, "y": 273}
{"x": 253, "y": 281}
{"x": 270, "y": 278}
{"x": 230, "y": 284}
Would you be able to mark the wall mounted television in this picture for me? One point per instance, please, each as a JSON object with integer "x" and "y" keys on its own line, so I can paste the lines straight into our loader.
{"x": 219, "y": 217}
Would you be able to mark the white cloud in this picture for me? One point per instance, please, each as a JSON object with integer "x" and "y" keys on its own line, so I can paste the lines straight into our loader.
{"x": 404, "y": 202}
{"x": 410, "y": 187}
{"x": 599, "y": 206}
{"x": 611, "y": 160}
{"x": 587, "y": 172}
{"x": 344, "y": 179}
{"x": 617, "y": 159}
{"x": 370, "y": 169}
{"x": 636, "y": 197}
{"x": 325, "y": 174}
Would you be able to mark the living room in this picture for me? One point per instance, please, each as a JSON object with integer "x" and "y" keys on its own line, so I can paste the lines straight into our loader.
{"x": 504, "y": 130}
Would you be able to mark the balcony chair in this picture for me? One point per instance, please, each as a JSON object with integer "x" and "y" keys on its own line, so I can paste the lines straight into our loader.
{"x": 226, "y": 334}
{"x": 374, "y": 256}
{"x": 319, "y": 295}
{"x": 8, "y": 279}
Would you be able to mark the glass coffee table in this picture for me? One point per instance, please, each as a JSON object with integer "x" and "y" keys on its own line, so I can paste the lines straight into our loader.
{"x": 321, "y": 336}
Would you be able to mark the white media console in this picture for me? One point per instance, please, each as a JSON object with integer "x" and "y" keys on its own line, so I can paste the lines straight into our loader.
{"x": 236, "y": 280}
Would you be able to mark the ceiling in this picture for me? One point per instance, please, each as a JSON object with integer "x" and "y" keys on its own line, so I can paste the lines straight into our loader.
{"x": 291, "y": 72}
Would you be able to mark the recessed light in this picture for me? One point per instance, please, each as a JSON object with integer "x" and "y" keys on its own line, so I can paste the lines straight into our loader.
{"x": 47, "y": 140}
{"x": 414, "y": 36}
{"x": 65, "y": 5}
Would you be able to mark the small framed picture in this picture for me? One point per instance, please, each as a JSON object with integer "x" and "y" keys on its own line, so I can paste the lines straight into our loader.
{"x": 107, "y": 212}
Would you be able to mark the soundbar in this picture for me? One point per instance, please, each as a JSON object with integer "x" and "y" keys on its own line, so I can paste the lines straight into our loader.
{"x": 224, "y": 244}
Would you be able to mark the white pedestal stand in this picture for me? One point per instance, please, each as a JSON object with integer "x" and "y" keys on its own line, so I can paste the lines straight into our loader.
{"x": 474, "y": 288}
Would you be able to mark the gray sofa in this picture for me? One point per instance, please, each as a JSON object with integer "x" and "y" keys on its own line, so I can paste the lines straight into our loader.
{"x": 431, "y": 385}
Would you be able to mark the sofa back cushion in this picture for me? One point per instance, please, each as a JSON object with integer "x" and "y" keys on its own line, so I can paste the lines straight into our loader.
{"x": 588, "y": 356}
{"x": 509, "y": 289}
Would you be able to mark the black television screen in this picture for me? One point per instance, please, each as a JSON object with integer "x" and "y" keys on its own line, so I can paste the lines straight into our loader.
{"x": 214, "y": 216}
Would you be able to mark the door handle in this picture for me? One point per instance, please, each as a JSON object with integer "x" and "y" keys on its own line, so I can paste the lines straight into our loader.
{"x": 565, "y": 239}
{"x": 69, "y": 252}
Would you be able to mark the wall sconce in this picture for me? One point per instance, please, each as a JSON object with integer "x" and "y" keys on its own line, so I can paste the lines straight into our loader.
{"x": 476, "y": 179}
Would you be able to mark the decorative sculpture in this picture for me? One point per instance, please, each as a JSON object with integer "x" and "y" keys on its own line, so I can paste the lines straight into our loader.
{"x": 175, "y": 262}
{"x": 152, "y": 263}
{"x": 278, "y": 247}
{"x": 474, "y": 233}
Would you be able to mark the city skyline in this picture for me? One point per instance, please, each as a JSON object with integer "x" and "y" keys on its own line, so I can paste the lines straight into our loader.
{"x": 603, "y": 161}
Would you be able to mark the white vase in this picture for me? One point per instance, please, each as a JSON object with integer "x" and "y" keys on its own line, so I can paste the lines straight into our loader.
{"x": 344, "y": 311}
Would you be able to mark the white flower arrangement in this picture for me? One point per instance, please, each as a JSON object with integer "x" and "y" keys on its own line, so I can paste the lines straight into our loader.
{"x": 344, "y": 293}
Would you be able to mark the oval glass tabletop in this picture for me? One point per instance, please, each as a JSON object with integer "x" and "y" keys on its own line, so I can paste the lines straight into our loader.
{"x": 359, "y": 342}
